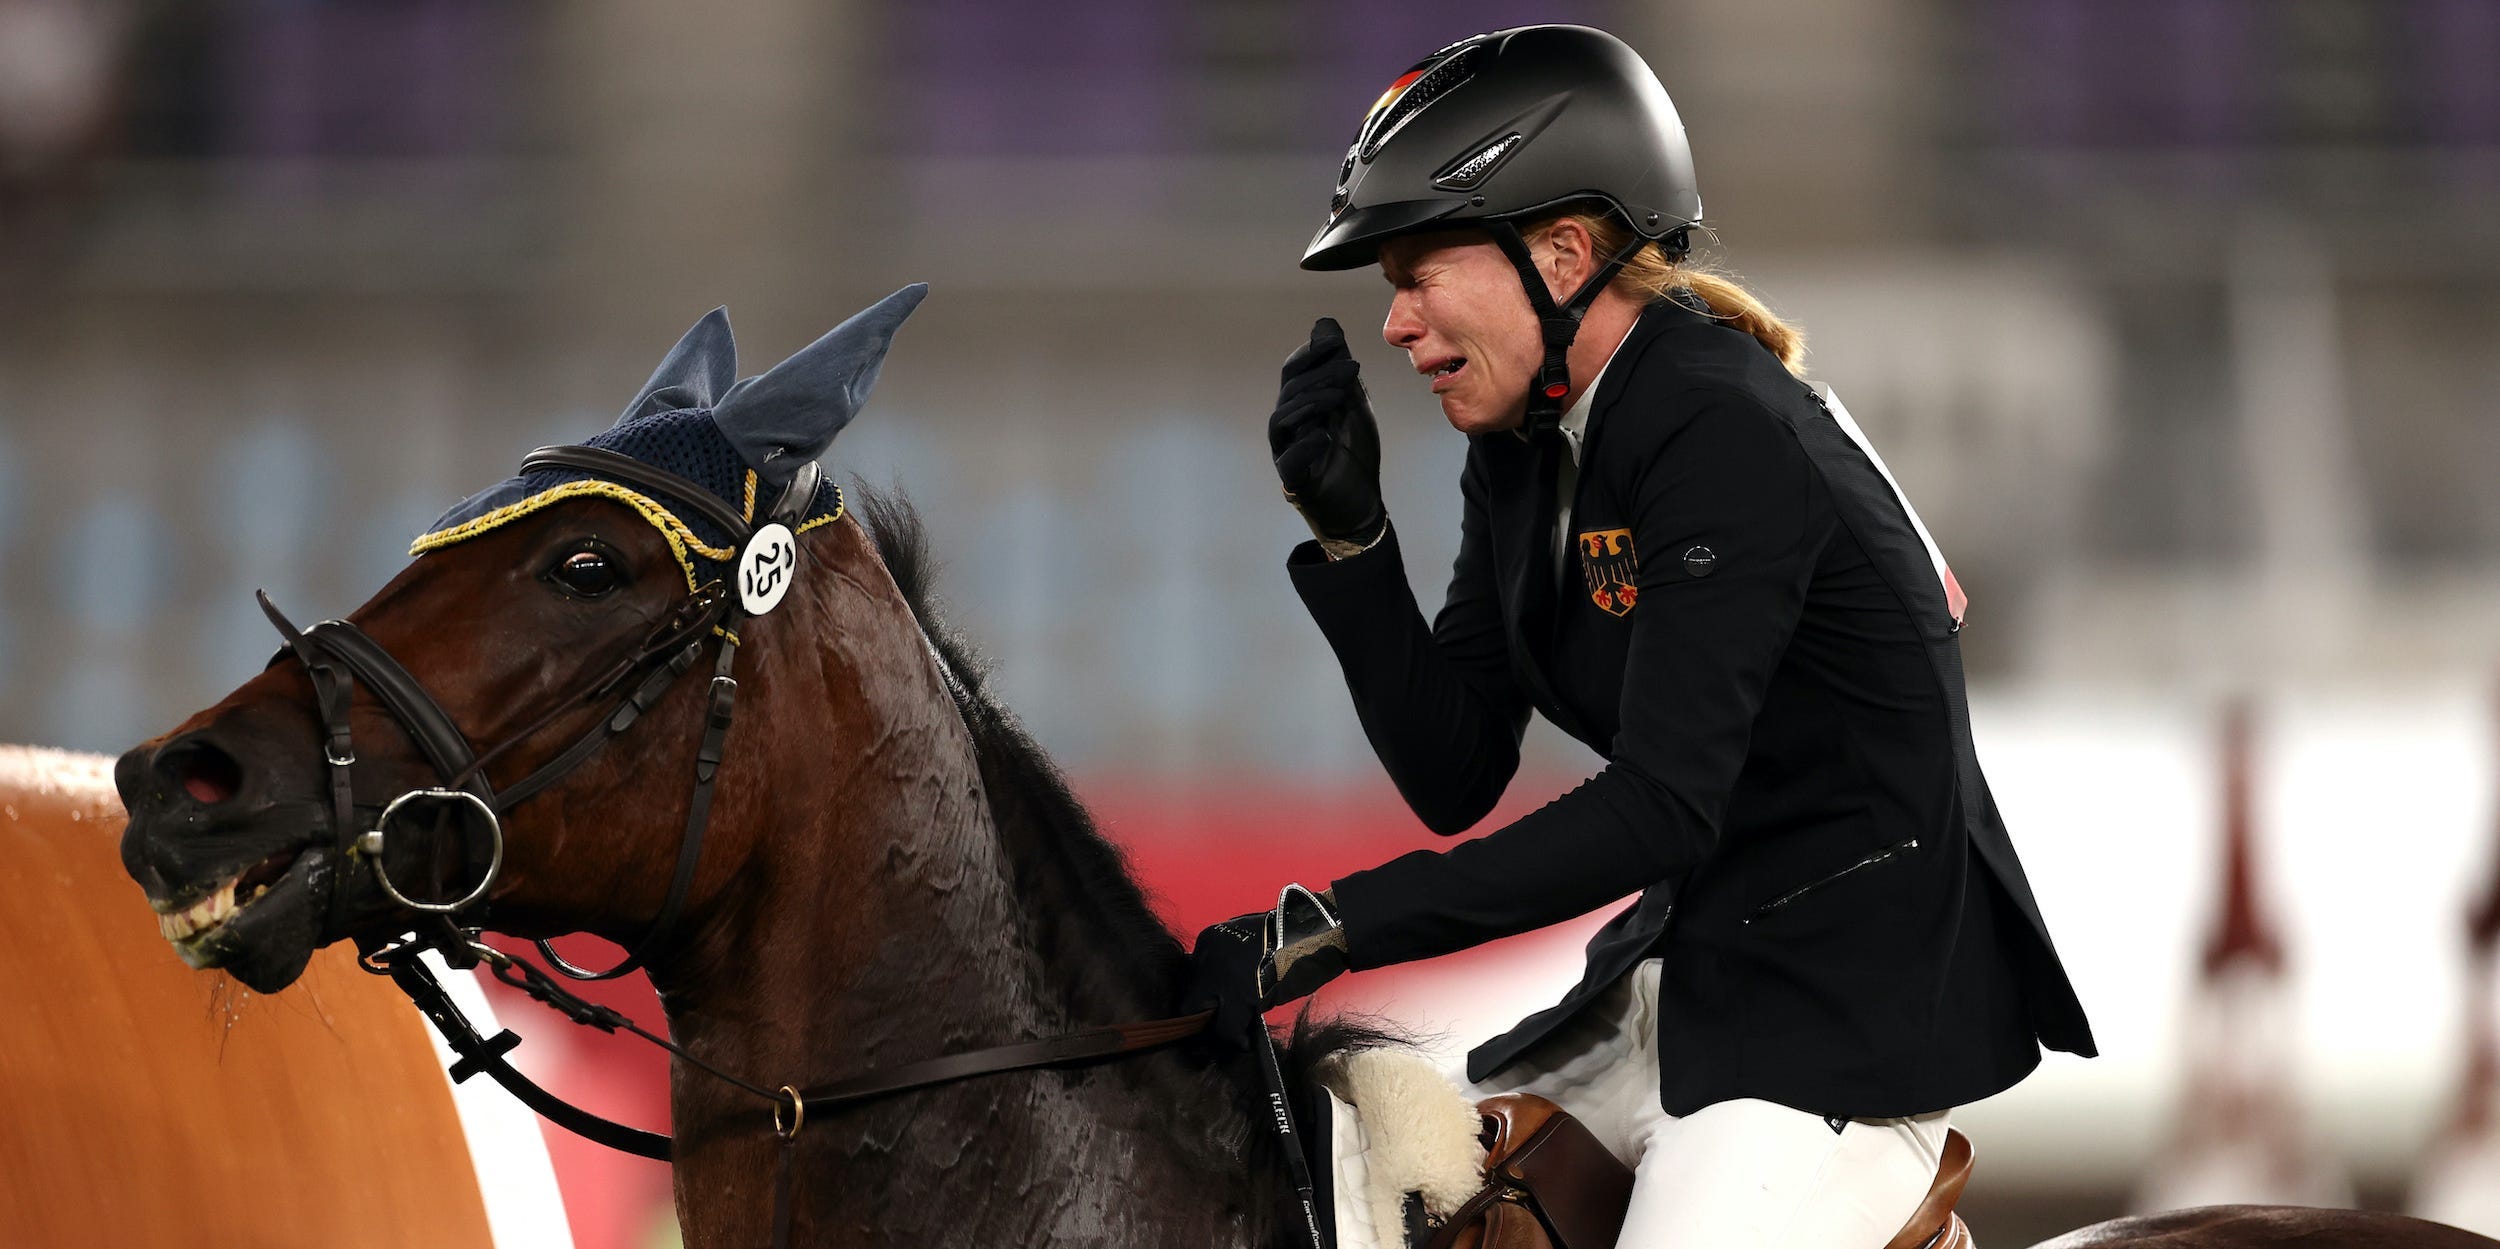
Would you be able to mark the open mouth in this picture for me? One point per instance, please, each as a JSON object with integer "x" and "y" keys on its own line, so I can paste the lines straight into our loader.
{"x": 190, "y": 926}
{"x": 1446, "y": 372}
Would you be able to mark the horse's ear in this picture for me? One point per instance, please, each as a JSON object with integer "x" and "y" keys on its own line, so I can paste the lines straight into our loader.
{"x": 694, "y": 374}
{"x": 789, "y": 415}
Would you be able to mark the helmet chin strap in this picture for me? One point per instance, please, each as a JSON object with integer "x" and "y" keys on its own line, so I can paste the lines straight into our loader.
{"x": 1559, "y": 324}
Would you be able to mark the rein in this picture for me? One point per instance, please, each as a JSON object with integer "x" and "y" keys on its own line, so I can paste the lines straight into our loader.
{"x": 790, "y": 1105}
{"x": 337, "y": 655}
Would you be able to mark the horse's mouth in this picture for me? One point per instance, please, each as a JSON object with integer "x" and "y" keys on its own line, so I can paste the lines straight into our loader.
{"x": 187, "y": 925}
{"x": 261, "y": 924}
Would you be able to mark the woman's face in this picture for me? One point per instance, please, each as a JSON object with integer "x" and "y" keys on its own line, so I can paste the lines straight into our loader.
{"x": 1459, "y": 314}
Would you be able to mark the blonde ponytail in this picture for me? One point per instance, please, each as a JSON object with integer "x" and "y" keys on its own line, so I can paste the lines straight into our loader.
{"x": 1650, "y": 276}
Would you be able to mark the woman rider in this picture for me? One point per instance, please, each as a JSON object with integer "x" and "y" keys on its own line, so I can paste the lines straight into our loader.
{"x": 1685, "y": 557}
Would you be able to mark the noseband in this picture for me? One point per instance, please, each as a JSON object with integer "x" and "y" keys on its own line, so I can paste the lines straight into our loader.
{"x": 338, "y": 655}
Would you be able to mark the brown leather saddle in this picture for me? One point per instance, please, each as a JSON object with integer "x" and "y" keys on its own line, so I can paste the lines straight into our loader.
{"x": 1550, "y": 1185}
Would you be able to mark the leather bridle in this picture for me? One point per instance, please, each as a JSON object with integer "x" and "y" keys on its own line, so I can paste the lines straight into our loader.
{"x": 337, "y": 655}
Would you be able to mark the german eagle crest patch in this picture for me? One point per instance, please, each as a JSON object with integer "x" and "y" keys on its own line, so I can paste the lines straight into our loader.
{"x": 1607, "y": 561}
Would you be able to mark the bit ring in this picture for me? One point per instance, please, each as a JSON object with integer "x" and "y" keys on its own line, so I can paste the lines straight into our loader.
{"x": 788, "y": 1129}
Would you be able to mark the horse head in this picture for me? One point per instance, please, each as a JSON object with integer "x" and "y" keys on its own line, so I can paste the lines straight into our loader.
{"x": 529, "y": 718}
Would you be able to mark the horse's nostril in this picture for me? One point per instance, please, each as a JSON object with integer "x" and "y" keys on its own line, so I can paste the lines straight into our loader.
{"x": 209, "y": 775}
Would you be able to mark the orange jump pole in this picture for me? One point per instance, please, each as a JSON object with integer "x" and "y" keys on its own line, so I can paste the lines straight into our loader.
{"x": 144, "y": 1104}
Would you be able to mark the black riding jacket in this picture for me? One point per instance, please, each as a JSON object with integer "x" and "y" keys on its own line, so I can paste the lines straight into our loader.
{"x": 1790, "y": 780}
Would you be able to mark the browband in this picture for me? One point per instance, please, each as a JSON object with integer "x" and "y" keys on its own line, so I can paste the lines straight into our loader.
{"x": 786, "y": 510}
{"x": 634, "y": 472}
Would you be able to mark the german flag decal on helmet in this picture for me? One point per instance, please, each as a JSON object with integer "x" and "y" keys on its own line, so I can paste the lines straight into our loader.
{"x": 1431, "y": 79}
{"x": 1607, "y": 561}
{"x": 1390, "y": 96}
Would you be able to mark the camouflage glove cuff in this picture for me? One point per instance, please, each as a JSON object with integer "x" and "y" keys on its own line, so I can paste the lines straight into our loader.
{"x": 1343, "y": 548}
{"x": 1310, "y": 945}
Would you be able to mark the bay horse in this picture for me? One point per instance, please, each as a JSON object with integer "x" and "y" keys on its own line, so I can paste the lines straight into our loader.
{"x": 877, "y": 866}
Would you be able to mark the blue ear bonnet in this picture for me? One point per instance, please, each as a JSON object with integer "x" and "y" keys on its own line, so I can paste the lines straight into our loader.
{"x": 686, "y": 442}
{"x": 742, "y": 442}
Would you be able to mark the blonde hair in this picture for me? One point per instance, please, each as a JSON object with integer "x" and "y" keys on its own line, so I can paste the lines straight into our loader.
{"x": 1650, "y": 276}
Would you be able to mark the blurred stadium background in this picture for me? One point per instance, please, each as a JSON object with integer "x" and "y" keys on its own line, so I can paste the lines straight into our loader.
{"x": 2176, "y": 317}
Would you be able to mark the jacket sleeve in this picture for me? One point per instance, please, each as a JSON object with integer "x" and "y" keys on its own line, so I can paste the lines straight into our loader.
{"x": 1728, "y": 476}
{"x": 1439, "y": 706}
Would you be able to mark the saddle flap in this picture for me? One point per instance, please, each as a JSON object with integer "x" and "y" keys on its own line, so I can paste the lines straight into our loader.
{"x": 1548, "y": 1182}
{"x": 1509, "y": 1120}
{"x": 1934, "y": 1221}
{"x": 1578, "y": 1187}
{"x": 1504, "y": 1225}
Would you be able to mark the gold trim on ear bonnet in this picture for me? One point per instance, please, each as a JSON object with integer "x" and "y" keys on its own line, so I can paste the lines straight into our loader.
{"x": 737, "y": 441}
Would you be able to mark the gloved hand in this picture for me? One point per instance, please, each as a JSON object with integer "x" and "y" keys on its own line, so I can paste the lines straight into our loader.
{"x": 1326, "y": 445}
{"x": 1250, "y": 964}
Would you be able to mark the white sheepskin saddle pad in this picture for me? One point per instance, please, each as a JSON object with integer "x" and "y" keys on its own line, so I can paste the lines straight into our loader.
{"x": 1399, "y": 1132}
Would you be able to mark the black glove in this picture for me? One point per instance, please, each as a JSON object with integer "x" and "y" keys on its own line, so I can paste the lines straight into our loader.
{"x": 1228, "y": 975}
{"x": 1240, "y": 970}
{"x": 1327, "y": 446}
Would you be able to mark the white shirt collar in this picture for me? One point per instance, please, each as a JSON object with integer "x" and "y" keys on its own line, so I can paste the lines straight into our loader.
{"x": 1575, "y": 423}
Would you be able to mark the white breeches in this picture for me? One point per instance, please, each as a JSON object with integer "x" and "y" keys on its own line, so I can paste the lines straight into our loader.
{"x": 1743, "y": 1174}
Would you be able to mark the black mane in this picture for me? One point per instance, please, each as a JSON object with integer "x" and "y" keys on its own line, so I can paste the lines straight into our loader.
{"x": 1024, "y": 786}
{"x": 1089, "y": 917}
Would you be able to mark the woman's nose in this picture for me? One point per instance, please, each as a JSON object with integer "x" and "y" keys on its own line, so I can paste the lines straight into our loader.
{"x": 1403, "y": 329}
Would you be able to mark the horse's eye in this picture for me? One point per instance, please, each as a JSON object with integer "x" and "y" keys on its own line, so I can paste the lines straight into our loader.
{"x": 587, "y": 573}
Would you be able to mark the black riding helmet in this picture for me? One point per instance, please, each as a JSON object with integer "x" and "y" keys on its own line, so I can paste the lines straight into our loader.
{"x": 1500, "y": 128}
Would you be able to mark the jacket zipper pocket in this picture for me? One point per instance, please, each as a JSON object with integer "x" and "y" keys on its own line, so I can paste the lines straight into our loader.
{"x": 1885, "y": 855}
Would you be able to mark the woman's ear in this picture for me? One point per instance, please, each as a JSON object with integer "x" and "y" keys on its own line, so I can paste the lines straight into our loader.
{"x": 1567, "y": 258}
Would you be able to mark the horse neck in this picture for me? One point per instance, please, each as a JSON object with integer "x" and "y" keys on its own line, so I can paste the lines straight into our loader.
{"x": 904, "y": 921}
{"x": 866, "y": 924}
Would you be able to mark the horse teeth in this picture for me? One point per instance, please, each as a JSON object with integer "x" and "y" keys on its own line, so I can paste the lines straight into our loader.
{"x": 200, "y": 916}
